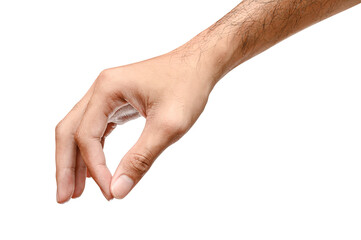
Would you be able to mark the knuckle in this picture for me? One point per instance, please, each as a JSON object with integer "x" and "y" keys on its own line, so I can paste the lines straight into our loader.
{"x": 174, "y": 126}
{"x": 105, "y": 76}
{"x": 140, "y": 163}
{"x": 64, "y": 131}
{"x": 78, "y": 136}
{"x": 105, "y": 82}
{"x": 63, "y": 172}
{"x": 59, "y": 130}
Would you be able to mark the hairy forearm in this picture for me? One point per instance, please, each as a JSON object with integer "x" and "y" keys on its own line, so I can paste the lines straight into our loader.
{"x": 254, "y": 26}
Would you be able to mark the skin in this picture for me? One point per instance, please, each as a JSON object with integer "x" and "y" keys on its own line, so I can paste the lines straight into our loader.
{"x": 170, "y": 91}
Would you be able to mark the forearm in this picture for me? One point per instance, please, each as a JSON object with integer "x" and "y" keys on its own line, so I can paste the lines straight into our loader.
{"x": 254, "y": 26}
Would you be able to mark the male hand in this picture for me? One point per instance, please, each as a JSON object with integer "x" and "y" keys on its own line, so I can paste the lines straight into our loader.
{"x": 170, "y": 91}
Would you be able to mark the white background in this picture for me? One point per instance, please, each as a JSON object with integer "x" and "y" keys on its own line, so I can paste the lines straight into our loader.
{"x": 275, "y": 155}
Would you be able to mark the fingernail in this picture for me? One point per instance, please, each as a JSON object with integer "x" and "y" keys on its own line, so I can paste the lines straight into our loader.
{"x": 122, "y": 186}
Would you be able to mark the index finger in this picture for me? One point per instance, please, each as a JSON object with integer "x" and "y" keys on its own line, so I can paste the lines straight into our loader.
{"x": 89, "y": 135}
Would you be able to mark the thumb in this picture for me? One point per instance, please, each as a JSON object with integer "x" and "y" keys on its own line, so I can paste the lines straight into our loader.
{"x": 152, "y": 142}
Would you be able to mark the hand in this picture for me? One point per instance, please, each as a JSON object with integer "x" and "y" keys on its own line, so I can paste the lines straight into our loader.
{"x": 170, "y": 91}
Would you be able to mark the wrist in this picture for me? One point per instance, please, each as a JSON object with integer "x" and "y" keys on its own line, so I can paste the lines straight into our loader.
{"x": 211, "y": 53}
